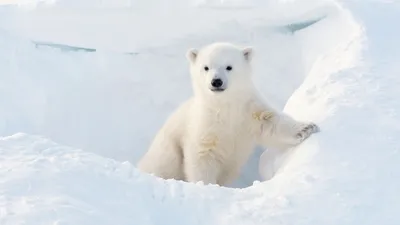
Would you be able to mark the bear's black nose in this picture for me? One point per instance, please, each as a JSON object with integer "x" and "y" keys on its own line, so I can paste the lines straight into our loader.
{"x": 217, "y": 83}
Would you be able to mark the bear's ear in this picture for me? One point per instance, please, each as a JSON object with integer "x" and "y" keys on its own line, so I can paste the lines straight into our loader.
{"x": 248, "y": 53}
{"x": 191, "y": 54}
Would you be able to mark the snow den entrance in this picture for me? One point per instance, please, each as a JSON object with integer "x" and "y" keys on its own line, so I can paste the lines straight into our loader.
{"x": 108, "y": 92}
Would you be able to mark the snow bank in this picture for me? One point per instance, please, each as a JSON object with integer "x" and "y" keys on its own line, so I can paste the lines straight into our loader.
{"x": 109, "y": 104}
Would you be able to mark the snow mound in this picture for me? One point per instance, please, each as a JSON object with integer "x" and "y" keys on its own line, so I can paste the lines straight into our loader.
{"x": 74, "y": 121}
{"x": 48, "y": 183}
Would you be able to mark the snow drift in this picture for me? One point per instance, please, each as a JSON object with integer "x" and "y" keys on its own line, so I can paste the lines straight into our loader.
{"x": 84, "y": 87}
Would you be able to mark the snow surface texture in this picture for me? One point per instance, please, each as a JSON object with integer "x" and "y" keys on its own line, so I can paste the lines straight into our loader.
{"x": 73, "y": 123}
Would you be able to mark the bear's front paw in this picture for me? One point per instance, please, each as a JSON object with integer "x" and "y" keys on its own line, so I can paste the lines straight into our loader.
{"x": 306, "y": 130}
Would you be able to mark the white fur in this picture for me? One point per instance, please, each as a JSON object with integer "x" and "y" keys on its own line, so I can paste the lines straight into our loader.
{"x": 210, "y": 136}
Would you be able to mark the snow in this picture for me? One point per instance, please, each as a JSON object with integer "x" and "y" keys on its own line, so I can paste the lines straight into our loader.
{"x": 84, "y": 86}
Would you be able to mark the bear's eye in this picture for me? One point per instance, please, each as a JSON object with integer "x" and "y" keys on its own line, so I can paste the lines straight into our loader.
{"x": 206, "y": 68}
{"x": 229, "y": 68}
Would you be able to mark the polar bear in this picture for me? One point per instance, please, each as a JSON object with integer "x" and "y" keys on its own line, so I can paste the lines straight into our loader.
{"x": 210, "y": 136}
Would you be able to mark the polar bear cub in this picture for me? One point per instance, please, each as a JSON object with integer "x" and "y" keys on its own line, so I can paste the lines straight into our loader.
{"x": 211, "y": 135}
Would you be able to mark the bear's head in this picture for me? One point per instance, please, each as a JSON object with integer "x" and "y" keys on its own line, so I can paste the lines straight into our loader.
{"x": 220, "y": 69}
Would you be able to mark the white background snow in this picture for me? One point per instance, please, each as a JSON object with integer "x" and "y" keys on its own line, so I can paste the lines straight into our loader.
{"x": 73, "y": 123}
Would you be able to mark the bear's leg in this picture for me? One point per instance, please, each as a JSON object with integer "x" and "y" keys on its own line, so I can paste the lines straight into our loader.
{"x": 281, "y": 131}
{"x": 164, "y": 160}
{"x": 200, "y": 166}
{"x": 228, "y": 176}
